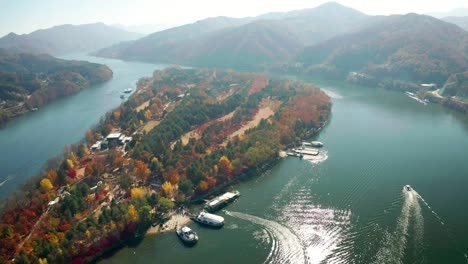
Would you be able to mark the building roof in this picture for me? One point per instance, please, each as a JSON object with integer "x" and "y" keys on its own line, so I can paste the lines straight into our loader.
{"x": 113, "y": 136}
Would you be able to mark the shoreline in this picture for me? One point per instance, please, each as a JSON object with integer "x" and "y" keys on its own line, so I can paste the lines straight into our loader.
{"x": 169, "y": 225}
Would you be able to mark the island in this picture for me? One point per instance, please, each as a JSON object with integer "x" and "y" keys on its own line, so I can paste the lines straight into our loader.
{"x": 29, "y": 81}
{"x": 181, "y": 136}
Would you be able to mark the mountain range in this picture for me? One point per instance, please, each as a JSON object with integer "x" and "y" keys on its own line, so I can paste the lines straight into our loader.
{"x": 241, "y": 42}
{"x": 67, "y": 39}
{"x": 413, "y": 48}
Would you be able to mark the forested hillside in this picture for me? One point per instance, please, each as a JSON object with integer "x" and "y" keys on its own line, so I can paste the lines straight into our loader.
{"x": 29, "y": 81}
{"x": 194, "y": 131}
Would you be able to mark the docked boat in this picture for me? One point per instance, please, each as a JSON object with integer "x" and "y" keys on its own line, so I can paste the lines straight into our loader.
{"x": 311, "y": 152}
{"x": 122, "y": 96}
{"x": 221, "y": 201}
{"x": 407, "y": 188}
{"x": 209, "y": 219}
{"x": 316, "y": 144}
{"x": 128, "y": 90}
{"x": 187, "y": 235}
{"x": 415, "y": 97}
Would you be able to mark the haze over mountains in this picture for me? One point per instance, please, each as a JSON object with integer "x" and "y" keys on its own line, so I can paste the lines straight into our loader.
{"x": 245, "y": 41}
{"x": 410, "y": 47}
{"x": 67, "y": 39}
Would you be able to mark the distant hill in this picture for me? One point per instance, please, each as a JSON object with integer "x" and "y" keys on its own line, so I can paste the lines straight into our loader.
{"x": 29, "y": 81}
{"x": 459, "y": 21}
{"x": 459, "y": 12}
{"x": 67, "y": 39}
{"x": 241, "y": 42}
{"x": 410, "y": 48}
{"x": 314, "y": 25}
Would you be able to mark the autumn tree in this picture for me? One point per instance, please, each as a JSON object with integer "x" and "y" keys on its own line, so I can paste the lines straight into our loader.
{"x": 46, "y": 184}
{"x": 132, "y": 213}
{"x": 137, "y": 193}
{"x": 224, "y": 168}
{"x": 168, "y": 189}
{"x": 172, "y": 176}
{"x": 141, "y": 170}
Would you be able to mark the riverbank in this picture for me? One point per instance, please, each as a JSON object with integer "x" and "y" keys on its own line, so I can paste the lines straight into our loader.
{"x": 176, "y": 219}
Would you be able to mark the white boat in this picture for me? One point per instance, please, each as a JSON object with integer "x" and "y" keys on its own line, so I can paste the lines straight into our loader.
{"x": 128, "y": 90}
{"x": 316, "y": 144}
{"x": 209, "y": 219}
{"x": 415, "y": 97}
{"x": 407, "y": 188}
{"x": 221, "y": 201}
{"x": 187, "y": 235}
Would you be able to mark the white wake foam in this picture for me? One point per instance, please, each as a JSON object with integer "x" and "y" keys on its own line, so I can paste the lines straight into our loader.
{"x": 285, "y": 245}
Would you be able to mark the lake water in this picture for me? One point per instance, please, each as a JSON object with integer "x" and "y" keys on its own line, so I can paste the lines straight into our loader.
{"x": 346, "y": 207}
{"x": 27, "y": 142}
{"x": 349, "y": 206}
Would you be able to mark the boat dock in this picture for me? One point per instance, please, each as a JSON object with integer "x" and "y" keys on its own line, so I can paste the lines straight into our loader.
{"x": 312, "y": 152}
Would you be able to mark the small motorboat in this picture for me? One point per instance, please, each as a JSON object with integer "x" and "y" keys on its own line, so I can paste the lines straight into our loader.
{"x": 128, "y": 90}
{"x": 407, "y": 188}
{"x": 187, "y": 235}
{"x": 122, "y": 96}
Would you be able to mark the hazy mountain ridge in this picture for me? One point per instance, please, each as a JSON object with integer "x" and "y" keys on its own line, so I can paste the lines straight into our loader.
{"x": 28, "y": 81}
{"x": 459, "y": 21}
{"x": 410, "y": 47}
{"x": 67, "y": 39}
{"x": 279, "y": 37}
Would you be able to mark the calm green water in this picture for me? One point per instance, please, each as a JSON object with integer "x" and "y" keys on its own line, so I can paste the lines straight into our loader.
{"x": 30, "y": 140}
{"x": 348, "y": 207}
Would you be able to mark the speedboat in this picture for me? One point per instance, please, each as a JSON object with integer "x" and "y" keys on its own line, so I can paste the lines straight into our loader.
{"x": 407, "y": 188}
{"x": 187, "y": 235}
{"x": 128, "y": 90}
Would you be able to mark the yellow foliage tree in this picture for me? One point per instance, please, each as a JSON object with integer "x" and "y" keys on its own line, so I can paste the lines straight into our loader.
{"x": 46, "y": 184}
{"x": 132, "y": 213}
{"x": 42, "y": 261}
{"x": 70, "y": 163}
{"x": 168, "y": 189}
{"x": 137, "y": 193}
{"x": 148, "y": 114}
{"x": 74, "y": 158}
{"x": 53, "y": 239}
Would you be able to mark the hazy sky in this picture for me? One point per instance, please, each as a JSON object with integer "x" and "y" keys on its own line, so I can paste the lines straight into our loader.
{"x": 24, "y": 16}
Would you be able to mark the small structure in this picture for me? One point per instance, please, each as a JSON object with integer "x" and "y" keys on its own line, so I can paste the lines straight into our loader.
{"x": 96, "y": 146}
{"x": 53, "y": 202}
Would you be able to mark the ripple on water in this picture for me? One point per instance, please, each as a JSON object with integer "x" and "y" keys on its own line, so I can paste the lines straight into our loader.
{"x": 286, "y": 247}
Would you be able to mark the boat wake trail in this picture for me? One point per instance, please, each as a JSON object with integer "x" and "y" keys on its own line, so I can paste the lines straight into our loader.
{"x": 8, "y": 178}
{"x": 394, "y": 244}
{"x": 321, "y": 157}
{"x": 285, "y": 245}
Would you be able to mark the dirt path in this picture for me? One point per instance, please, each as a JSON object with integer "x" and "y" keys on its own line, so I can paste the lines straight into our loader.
{"x": 263, "y": 113}
{"x": 142, "y": 106}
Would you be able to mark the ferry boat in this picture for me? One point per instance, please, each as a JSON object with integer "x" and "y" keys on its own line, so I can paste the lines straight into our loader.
{"x": 221, "y": 201}
{"x": 209, "y": 219}
{"x": 407, "y": 188}
{"x": 187, "y": 235}
{"x": 128, "y": 90}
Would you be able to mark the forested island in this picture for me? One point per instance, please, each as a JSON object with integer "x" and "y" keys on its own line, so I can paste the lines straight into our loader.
{"x": 29, "y": 81}
{"x": 184, "y": 134}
